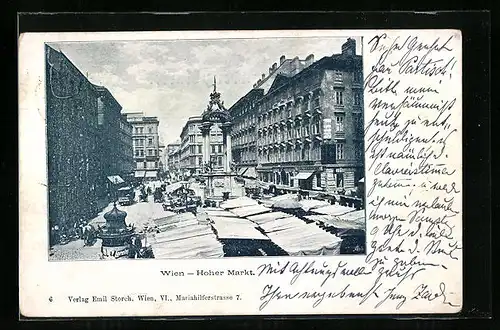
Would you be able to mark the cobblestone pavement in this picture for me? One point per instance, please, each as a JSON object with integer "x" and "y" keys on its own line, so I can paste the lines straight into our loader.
{"x": 138, "y": 214}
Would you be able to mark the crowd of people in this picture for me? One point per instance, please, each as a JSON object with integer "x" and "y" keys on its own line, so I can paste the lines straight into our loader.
{"x": 80, "y": 230}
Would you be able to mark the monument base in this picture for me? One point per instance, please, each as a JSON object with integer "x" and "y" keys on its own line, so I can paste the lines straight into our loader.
{"x": 219, "y": 184}
{"x": 114, "y": 252}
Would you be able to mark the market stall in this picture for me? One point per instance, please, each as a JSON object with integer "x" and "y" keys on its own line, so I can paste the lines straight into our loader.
{"x": 246, "y": 211}
{"x": 238, "y": 202}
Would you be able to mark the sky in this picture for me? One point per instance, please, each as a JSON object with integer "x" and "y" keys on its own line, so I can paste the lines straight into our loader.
{"x": 172, "y": 79}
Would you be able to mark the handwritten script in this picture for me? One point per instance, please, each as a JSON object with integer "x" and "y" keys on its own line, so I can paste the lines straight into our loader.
{"x": 413, "y": 138}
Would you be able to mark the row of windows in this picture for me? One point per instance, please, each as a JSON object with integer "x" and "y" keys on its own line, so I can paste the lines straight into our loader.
{"x": 140, "y": 130}
{"x": 140, "y": 142}
{"x": 146, "y": 165}
{"x": 193, "y": 161}
{"x": 141, "y": 153}
{"x": 215, "y": 148}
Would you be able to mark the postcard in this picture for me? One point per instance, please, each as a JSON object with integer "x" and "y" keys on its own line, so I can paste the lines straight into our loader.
{"x": 218, "y": 173}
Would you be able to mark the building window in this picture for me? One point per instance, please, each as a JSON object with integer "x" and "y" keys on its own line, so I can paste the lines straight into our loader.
{"x": 316, "y": 103}
{"x": 140, "y": 165}
{"x": 213, "y": 148}
{"x": 150, "y": 152}
{"x": 340, "y": 180}
{"x": 358, "y": 124}
{"x": 156, "y": 164}
{"x": 199, "y": 149}
{"x": 150, "y": 130}
{"x": 358, "y": 151}
{"x": 219, "y": 160}
{"x": 219, "y": 148}
{"x": 357, "y": 98}
{"x": 339, "y": 77}
{"x": 339, "y": 99}
{"x": 339, "y": 151}
{"x": 191, "y": 138}
{"x": 316, "y": 127}
{"x": 357, "y": 77}
{"x": 318, "y": 180}
{"x": 150, "y": 141}
{"x": 339, "y": 123}
{"x": 200, "y": 161}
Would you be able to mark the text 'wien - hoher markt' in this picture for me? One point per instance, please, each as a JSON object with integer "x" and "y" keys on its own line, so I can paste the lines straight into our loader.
{"x": 205, "y": 157}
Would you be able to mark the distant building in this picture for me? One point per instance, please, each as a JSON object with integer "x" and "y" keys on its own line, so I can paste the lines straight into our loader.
{"x": 191, "y": 155}
{"x": 76, "y": 180}
{"x": 302, "y": 125}
{"x": 161, "y": 156}
{"x": 146, "y": 146}
{"x": 126, "y": 149}
{"x": 173, "y": 152}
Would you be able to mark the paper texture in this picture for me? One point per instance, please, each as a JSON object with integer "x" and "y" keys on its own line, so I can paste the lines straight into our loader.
{"x": 412, "y": 101}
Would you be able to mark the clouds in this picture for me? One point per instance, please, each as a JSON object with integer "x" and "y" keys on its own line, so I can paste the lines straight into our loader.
{"x": 173, "y": 79}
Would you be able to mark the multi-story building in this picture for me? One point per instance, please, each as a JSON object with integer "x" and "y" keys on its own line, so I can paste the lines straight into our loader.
{"x": 173, "y": 159}
{"x": 162, "y": 162}
{"x": 191, "y": 153}
{"x": 115, "y": 136}
{"x": 126, "y": 148}
{"x": 146, "y": 145}
{"x": 76, "y": 181}
{"x": 170, "y": 152}
{"x": 302, "y": 125}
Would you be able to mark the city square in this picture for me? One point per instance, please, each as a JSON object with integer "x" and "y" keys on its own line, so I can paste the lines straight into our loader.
{"x": 279, "y": 171}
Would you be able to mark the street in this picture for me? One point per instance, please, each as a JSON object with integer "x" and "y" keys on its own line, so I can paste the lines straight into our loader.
{"x": 139, "y": 214}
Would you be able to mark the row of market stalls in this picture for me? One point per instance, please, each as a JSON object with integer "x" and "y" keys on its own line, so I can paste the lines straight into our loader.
{"x": 246, "y": 227}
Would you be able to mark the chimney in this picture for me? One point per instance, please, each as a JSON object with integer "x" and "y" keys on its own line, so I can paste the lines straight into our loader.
{"x": 270, "y": 70}
{"x": 309, "y": 59}
{"x": 274, "y": 66}
{"x": 282, "y": 59}
{"x": 349, "y": 47}
{"x": 263, "y": 75}
{"x": 258, "y": 81}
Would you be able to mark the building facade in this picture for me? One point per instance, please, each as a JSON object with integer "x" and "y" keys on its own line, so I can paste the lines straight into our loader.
{"x": 76, "y": 180}
{"x": 126, "y": 148}
{"x": 191, "y": 145}
{"x": 116, "y": 150}
{"x": 173, "y": 160}
{"x": 302, "y": 125}
{"x": 146, "y": 146}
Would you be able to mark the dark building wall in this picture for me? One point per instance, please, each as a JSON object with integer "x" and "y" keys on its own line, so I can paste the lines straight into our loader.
{"x": 75, "y": 178}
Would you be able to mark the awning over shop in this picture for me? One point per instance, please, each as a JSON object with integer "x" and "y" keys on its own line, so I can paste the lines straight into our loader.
{"x": 334, "y": 210}
{"x": 151, "y": 174}
{"x": 241, "y": 170}
{"x": 250, "y": 173}
{"x": 115, "y": 179}
{"x": 238, "y": 231}
{"x": 140, "y": 174}
{"x": 352, "y": 220}
{"x": 238, "y": 202}
{"x": 308, "y": 204}
{"x": 304, "y": 175}
{"x": 173, "y": 187}
{"x": 213, "y": 212}
{"x": 250, "y": 210}
{"x": 267, "y": 217}
{"x": 298, "y": 238}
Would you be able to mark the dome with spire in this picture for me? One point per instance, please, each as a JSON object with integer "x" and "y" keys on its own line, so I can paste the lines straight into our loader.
{"x": 216, "y": 112}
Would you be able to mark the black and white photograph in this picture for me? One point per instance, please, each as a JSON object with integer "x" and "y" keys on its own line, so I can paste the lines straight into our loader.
{"x": 205, "y": 148}
{"x": 288, "y": 172}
